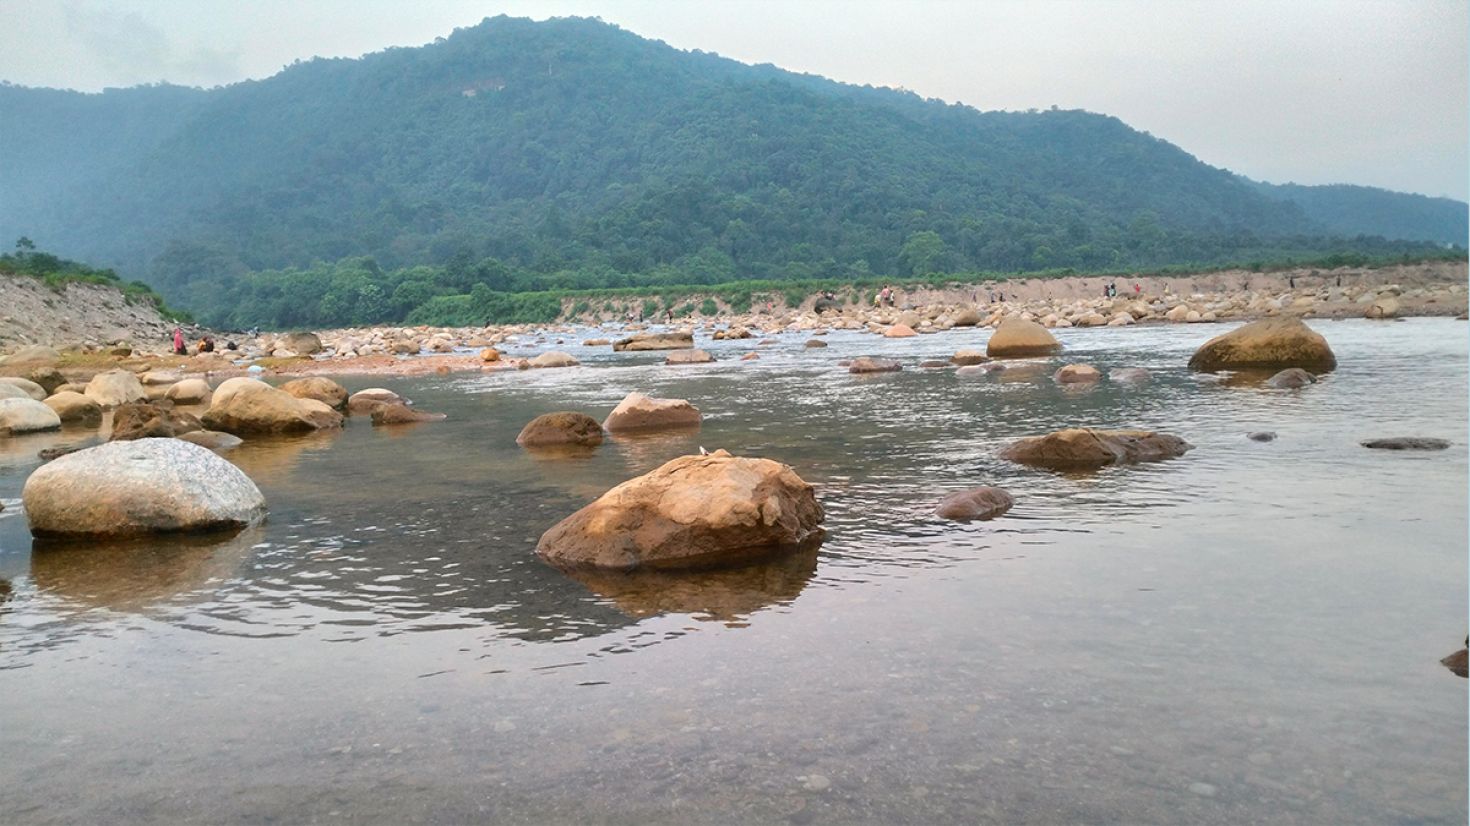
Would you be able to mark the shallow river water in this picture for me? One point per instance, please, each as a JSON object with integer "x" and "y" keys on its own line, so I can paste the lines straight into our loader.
{"x": 1248, "y": 634}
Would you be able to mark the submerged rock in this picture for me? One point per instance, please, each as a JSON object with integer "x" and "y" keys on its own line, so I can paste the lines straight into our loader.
{"x": 689, "y": 357}
{"x": 139, "y": 487}
{"x": 1129, "y": 375}
{"x": 968, "y": 358}
{"x": 975, "y": 503}
{"x": 212, "y": 439}
{"x": 151, "y": 420}
{"x": 1019, "y": 338}
{"x": 694, "y": 511}
{"x": 553, "y": 358}
{"x": 1078, "y": 448}
{"x": 399, "y": 413}
{"x": 1406, "y": 443}
{"x": 26, "y": 416}
{"x": 869, "y": 364}
{"x": 366, "y": 401}
{"x": 1262, "y": 436}
{"x": 679, "y": 340}
{"x": 813, "y": 343}
{"x": 324, "y": 390}
{"x": 556, "y": 429}
{"x": 1077, "y": 374}
{"x": 1269, "y": 343}
{"x": 641, "y": 412}
{"x": 1291, "y": 378}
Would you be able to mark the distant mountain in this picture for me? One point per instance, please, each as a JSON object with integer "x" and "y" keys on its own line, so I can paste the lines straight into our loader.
{"x": 577, "y": 151}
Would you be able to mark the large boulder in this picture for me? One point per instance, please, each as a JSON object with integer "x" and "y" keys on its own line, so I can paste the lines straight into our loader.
{"x": 302, "y": 344}
{"x": 899, "y": 331}
{"x": 1271, "y": 343}
{"x": 48, "y": 377}
{"x": 554, "y": 358}
{"x": 975, "y": 503}
{"x": 243, "y": 406}
{"x": 188, "y": 391}
{"x": 1384, "y": 307}
{"x": 10, "y": 391}
{"x": 26, "y": 416}
{"x": 116, "y": 387}
{"x": 871, "y": 364}
{"x": 31, "y": 357}
{"x": 366, "y": 401}
{"x": 1019, "y": 338}
{"x": 1079, "y": 448}
{"x": 559, "y": 429}
{"x": 139, "y": 487}
{"x": 641, "y": 412}
{"x": 149, "y": 420}
{"x": 695, "y": 511}
{"x": 322, "y": 389}
{"x": 30, "y": 388}
{"x": 689, "y": 357}
{"x": 399, "y": 413}
{"x": 74, "y": 407}
{"x": 677, "y": 340}
{"x": 968, "y": 317}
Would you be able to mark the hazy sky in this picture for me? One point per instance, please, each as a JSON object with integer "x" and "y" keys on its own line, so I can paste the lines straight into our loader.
{"x": 1282, "y": 90}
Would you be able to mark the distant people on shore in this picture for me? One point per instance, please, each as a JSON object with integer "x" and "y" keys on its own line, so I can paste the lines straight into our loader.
{"x": 180, "y": 348}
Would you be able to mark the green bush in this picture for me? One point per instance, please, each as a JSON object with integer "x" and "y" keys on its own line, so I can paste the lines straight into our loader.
{"x": 709, "y": 308}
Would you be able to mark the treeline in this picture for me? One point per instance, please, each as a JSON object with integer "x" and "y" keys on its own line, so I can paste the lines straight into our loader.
{"x": 56, "y": 272}
{"x": 357, "y": 292}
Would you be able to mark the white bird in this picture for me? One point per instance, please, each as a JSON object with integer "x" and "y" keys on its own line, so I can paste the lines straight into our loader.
{"x": 702, "y": 451}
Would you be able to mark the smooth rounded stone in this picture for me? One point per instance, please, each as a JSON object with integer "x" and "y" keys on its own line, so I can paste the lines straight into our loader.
{"x": 1262, "y": 436}
{"x": 678, "y": 340}
{"x": 554, "y": 358}
{"x": 975, "y": 503}
{"x": 968, "y": 358}
{"x": 139, "y": 487}
{"x": 689, "y": 357}
{"x": 10, "y": 391}
{"x": 968, "y": 317}
{"x": 366, "y": 401}
{"x": 1383, "y": 307}
{"x": 1077, "y": 374}
{"x": 1129, "y": 375}
{"x": 1406, "y": 443}
{"x": 1291, "y": 378}
{"x": 212, "y": 439}
{"x": 189, "y": 391}
{"x": 146, "y": 420}
{"x": 26, "y": 416}
{"x": 74, "y": 407}
{"x": 26, "y": 386}
{"x": 812, "y": 343}
{"x": 556, "y": 429}
{"x": 870, "y": 364}
{"x": 30, "y": 356}
{"x": 1078, "y": 448}
{"x": 899, "y": 331}
{"x": 302, "y": 344}
{"x": 158, "y": 377}
{"x": 490, "y": 354}
{"x": 243, "y": 406}
{"x": 1269, "y": 343}
{"x": 116, "y": 387}
{"x": 322, "y": 389}
{"x": 48, "y": 377}
{"x": 1019, "y": 338}
{"x": 694, "y": 511}
{"x": 398, "y": 413}
{"x": 641, "y": 412}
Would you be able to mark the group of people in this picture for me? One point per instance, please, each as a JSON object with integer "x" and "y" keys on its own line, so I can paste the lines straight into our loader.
{"x": 206, "y": 344}
{"x": 1111, "y": 290}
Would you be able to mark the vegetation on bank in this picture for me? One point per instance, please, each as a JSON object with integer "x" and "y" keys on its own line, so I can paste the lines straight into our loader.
{"x": 56, "y": 272}
{"x": 356, "y": 291}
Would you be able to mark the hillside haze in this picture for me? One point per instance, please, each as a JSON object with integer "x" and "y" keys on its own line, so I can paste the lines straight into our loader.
{"x": 575, "y": 154}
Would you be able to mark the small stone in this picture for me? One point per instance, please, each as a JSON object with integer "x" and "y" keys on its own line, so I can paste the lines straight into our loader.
{"x": 1262, "y": 436}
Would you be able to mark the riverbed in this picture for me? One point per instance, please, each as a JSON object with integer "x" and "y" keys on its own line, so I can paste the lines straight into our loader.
{"x": 1250, "y": 633}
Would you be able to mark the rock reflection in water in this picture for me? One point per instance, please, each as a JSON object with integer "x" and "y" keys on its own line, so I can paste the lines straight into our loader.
{"x": 646, "y": 451}
{"x": 134, "y": 576}
{"x": 273, "y": 458}
{"x": 727, "y": 595}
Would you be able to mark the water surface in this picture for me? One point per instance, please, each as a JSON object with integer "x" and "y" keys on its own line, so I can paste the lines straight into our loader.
{"x": 1250, "y": 633}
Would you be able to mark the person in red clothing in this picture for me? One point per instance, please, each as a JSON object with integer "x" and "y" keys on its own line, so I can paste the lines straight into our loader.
{"x": 180, "y": 349}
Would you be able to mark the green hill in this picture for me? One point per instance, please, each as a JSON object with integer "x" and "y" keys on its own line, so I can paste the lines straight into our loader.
{"x": 572, "y": 154}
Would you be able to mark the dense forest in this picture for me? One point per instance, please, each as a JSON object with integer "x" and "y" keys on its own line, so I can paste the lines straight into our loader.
{"x": 516, "y": 156}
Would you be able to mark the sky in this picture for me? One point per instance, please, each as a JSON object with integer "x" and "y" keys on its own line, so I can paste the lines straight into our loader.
{"x": 1306, "y": 91}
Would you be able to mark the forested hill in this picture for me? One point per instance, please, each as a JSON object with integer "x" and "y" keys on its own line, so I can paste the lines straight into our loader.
{"x": 571, "y": 153}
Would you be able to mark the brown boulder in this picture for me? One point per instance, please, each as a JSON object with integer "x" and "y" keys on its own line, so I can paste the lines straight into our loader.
{"x": 399, "y": 413}
{"x": 556, "y": 429}
{"x": 869, "y": 364}
{"x": 1458, "y": 662}
{"x": 678, "y": 340}
{"x": 1077, "y": 374}
{"x": 689, "y": 357}
{"x": 1078, "y": 448}
{"x": 212, "y": 439}
{"x": 74, "y": 407}
{"x": 1019, "y": 338}
{"x": 975, "y": 503}
{"x": 899, "y": 331}
{"x": 48, "y": 377}
{"x": 366, "y": 401}
{"x": 147, "y": 420}
{"x": 115, "y": 387}
{"x": 1269, "y": 343}
{"x": 814, "y": 343}
{"x": 245, "y": 406}
{"x": 968, "y": 358}
{"x": 641, "y": 412}
{"x": 302, "y": 344}
{"x": 188, "y": 391}
{"x": 553, "y": 358}
{"x": 695, "y": 511}
{"x": 324, "y": 390}
{"x": 489, "y": 354}
{"x": 1406, "y": 443}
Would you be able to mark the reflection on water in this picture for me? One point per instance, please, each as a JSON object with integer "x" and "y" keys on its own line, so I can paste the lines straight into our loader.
{"x": 1239, "y": 635}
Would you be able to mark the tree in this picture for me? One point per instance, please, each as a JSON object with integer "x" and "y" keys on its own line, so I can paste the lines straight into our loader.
{"x": 924, "y": 252}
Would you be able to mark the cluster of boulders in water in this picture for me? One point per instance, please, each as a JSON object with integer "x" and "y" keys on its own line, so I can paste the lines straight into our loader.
{"x": 160, "y": 471}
